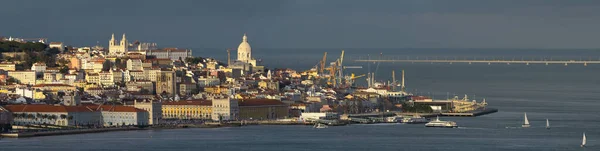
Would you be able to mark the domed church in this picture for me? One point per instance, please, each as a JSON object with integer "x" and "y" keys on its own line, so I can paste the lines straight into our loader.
{"x": 244, "y": 52}
{"x": 244, "y": 61}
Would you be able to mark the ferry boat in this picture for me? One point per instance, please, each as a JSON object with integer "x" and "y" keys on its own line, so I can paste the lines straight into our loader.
{"x": 438, "y": 123}
{"x": 415, "y": 120}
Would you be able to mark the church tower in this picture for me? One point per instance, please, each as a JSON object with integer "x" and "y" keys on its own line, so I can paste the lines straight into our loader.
{"x": 112, "y": 40}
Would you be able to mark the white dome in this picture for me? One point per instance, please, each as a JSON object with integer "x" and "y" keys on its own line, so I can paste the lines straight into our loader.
{"x": 244, "y": 51}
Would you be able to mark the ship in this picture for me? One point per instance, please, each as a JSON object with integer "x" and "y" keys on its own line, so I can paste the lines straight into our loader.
{"x": 438, "y": 123}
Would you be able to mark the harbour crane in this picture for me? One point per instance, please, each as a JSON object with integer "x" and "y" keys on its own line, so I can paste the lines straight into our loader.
{"x": 322, "y": 69}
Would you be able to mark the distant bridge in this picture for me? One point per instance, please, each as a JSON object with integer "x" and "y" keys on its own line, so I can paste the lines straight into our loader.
{"x": 527, "y": 62}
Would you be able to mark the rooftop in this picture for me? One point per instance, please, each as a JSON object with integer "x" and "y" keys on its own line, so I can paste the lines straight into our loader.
{"x": 259, "y": 102}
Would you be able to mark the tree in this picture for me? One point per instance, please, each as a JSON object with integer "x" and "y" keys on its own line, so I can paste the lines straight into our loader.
{"x": 12, "y": 80}
{"x": 106, "y": 65}
{"x": 64, "y": 70}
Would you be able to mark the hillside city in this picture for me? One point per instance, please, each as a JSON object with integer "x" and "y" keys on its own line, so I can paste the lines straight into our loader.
{"x": 139, "y": 84}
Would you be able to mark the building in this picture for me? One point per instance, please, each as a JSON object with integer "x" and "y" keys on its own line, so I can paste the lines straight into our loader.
{"x": 269, "y": 85}
{"x": 208, "y": 81}
{"x": 134, "y": 64}
{"x": 54, "y": 87}
{"x": 24, "y": 77}
{"x": 225, "y": 108}
{"x": 106, "y": 78}
{"x": 71, "y": 99}
{"x": 56, "y": 115}
{"x": 6, "y": 118}
{"x": 187, "y": 89}
{"x": 262, "y": 109}
{"x": 170, "y": 53}
{"x": 244, "y": 52}
{"x": 187, "y": 109}
{"x": 117, "y": 49}
{"x": 142, "y": 86}
{"x": 118, "y": 115}
{"x": 154, "y": 109}
{"x": 165, "y": 82}
{"x": 57, "y": 45}
{"x": 93, "y": 78}
{"x": 7, "y": 66}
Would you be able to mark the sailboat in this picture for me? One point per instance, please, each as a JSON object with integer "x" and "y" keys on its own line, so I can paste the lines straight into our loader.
{"x": 526, "y": 122}
{"x": 547, "y": 124}
{"x": 583, "y": 141}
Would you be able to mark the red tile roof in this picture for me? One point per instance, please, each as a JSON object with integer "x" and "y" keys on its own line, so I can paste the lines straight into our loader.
{"x": 259, "y": 102}
{"x": 52, "y": 85}
{"x": 46, "y": 108}
{"x": 115, "y": 108}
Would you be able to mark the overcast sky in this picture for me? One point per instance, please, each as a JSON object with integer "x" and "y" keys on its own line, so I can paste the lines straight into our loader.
{"x": 311, "y": 23}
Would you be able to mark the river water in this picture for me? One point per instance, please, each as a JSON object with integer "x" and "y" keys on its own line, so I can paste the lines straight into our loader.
{"x": 566, "y": 95}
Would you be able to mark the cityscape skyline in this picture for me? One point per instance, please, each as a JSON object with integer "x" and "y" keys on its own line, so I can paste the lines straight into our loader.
{"x": 328, "y": 24}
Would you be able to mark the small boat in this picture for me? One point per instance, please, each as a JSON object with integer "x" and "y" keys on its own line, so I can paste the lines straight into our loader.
{"x": 438, "y": 123}
{"x": 319, "y": 125}
{"x": 583, "y": 141}
{"x": 547, "y": 124}
{"x": 526, "y": 122}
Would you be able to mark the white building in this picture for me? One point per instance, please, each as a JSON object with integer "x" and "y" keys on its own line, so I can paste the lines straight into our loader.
{"x": 170, "y": 53}
{"x": 117, "y": 49}
{"x": 210, "y": 81}
{"x": 224, "y": 108}
{"x": 134, "y": 64}
{"x": 39, "y": 68}
{"x": 154, "y": 109}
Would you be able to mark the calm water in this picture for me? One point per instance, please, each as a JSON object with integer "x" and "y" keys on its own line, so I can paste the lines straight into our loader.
{"x": 567, "y": 95}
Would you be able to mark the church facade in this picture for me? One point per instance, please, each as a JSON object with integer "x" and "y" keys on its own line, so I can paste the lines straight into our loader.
{"x": 117, "y": 49}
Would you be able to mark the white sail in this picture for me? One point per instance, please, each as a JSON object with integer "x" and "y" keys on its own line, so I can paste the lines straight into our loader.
{"x": 583, "y": 141}
{"x": 547, "y": 123}
{"x": 526, "y": 120}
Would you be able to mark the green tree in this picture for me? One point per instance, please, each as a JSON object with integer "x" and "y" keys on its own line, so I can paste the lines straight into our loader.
{"x": 64, "y": 70}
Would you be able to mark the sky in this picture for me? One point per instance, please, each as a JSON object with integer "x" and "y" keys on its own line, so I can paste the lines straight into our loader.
{"x": 553, "y": 24}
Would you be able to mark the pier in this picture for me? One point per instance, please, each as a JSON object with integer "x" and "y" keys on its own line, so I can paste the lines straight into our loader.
{"x": 491, "y": 61}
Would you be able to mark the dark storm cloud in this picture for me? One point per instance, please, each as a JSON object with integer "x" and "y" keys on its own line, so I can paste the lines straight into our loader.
{"x": 312, "y": 23}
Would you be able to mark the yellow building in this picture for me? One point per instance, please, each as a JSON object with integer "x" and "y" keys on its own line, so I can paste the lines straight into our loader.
{"x": 7, "y": 66}
{"x": 25, "y": 77}
{"x": 54, "y": 87}
{"x": 93, "y": 78}
{"x": 187, "y": 109}
{"x": 262, "y": 109}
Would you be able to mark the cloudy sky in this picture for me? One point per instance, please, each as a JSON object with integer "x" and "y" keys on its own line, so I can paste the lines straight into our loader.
{"x": 311, "y": 23}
